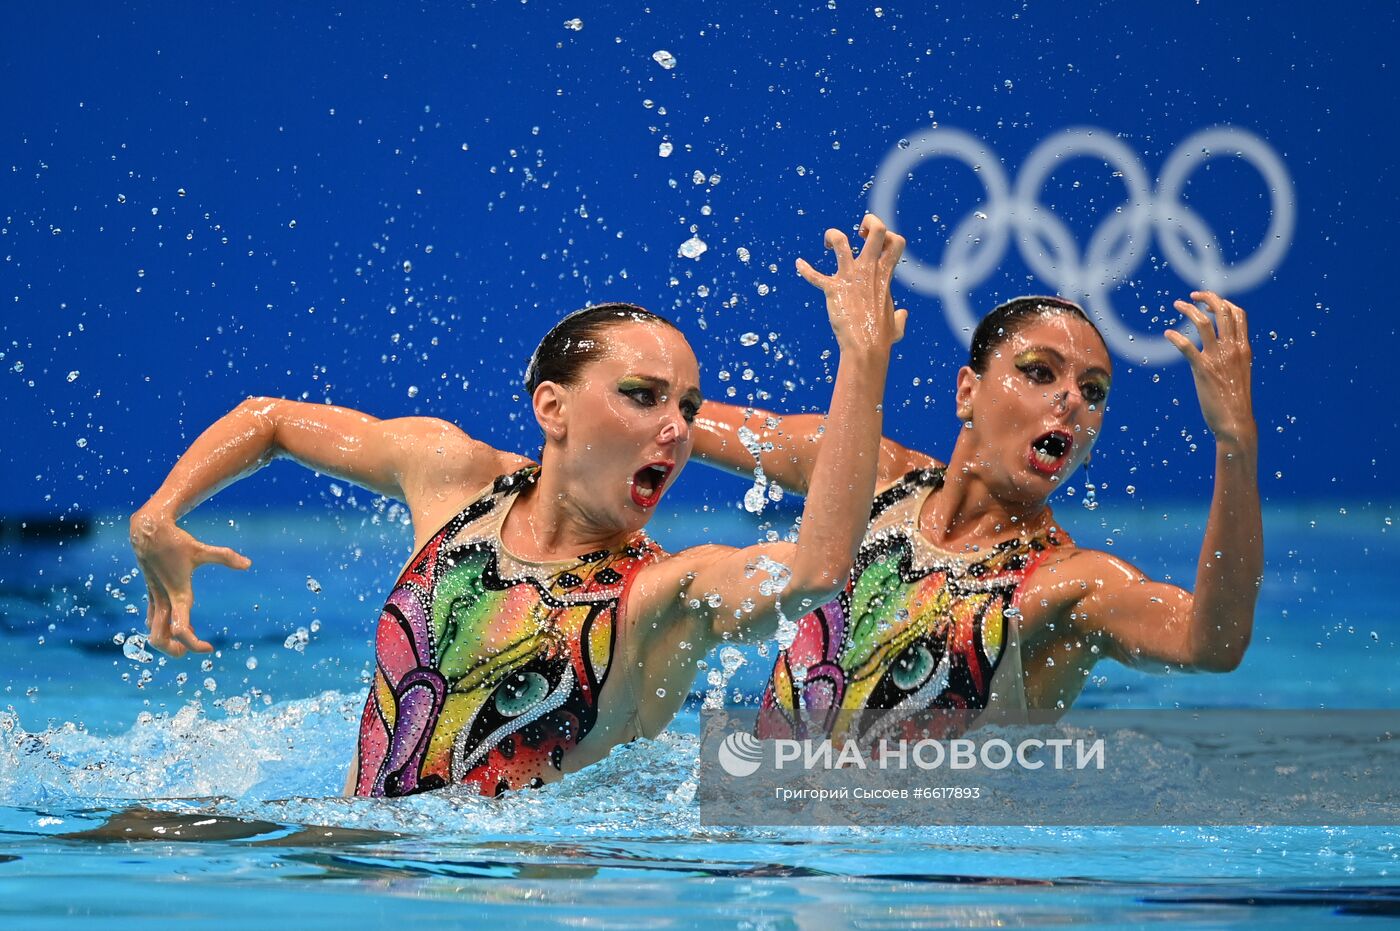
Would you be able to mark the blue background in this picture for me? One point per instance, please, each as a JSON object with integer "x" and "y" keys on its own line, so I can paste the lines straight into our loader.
{"x": 202, "y": 204}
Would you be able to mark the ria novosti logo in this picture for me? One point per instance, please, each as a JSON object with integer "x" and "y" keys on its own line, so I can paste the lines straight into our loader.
{"x": 740, "y": 754}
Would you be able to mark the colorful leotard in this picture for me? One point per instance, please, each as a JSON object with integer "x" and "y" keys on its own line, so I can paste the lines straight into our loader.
{"x": 917, "y": 628}
{"x": 488, "y": 668}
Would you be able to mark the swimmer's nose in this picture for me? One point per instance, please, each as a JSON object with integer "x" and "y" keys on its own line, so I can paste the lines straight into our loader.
{"x": 675, "y": 430}
{"x": 1068, "y": 400}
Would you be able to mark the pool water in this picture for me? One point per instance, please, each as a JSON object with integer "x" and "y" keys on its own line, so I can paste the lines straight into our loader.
{"x": 160, "y": 793}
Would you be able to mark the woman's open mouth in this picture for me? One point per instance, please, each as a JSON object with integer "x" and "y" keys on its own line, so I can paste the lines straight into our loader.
{"x": 648, "y": 482}
{"x": 1049, "y": 452}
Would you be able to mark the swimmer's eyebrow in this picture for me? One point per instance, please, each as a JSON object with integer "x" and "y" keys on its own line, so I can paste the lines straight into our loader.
{"x": 1055, "y": 354}
{"x": 662, "y": 385}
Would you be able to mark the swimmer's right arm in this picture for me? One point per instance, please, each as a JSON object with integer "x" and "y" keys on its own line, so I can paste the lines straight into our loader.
{"x": 412, "y": 459}
{"x": 787, "y": 446}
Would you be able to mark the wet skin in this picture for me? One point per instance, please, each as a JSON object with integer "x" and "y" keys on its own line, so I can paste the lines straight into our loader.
{"x": 1052, "y": 376}
{"x": 630, "y": 408}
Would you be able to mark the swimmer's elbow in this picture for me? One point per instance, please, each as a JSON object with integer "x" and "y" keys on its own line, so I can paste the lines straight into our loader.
{"x": 806, "y": 595}
{"x": 261, "y": 411}
{"x": 1219, "y": 656}
{"x": 1221, "y": 660}
{"x": 264, "y": 415}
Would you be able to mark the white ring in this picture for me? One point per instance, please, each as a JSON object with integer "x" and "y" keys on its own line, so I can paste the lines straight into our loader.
{"x": 1118, "y": 245}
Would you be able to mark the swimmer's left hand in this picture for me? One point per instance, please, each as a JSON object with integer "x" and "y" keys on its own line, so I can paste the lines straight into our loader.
{"x": 1220, "y": 367}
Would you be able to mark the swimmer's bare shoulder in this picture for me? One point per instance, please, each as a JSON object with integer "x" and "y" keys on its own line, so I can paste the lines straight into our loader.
{"x": 441, "y": 467}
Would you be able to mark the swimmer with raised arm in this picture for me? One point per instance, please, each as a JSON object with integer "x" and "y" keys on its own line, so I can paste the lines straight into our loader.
{"x": 965, "y": 594}
{"x": 537, "y": 627}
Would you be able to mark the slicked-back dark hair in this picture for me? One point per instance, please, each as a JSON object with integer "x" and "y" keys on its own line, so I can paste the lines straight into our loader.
{"x": 1006, "y": 320}
{"x": 576, "y": 340}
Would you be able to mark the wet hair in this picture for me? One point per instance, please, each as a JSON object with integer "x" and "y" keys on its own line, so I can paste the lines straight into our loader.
{"x": 1006, "y": 320}
{"x": 576, "y": 340}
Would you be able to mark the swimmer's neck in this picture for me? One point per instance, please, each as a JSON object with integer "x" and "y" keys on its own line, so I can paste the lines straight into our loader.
{"x": 966, "y": 510}
{"x": 550, "y": 521}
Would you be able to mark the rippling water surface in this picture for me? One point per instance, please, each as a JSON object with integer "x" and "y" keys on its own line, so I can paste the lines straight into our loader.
{"x": 130, "y": 794}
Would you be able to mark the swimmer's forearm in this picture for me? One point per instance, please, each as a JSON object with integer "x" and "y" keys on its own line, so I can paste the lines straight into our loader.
{"x": 235, "y": 445}
{"x": 837, "y": 510}
{"x": 1231, "y": 565}
{"x": 787, "y": 450}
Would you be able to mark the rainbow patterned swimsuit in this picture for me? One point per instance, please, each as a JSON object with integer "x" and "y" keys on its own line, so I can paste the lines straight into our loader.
{"x": 916, "y": 628}
{"x": 488, "y": 668}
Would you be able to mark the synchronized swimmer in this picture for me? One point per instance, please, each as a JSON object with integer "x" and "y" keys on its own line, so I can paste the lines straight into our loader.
{"x": 537, "y": 626}
{"x": 966, "y": 595}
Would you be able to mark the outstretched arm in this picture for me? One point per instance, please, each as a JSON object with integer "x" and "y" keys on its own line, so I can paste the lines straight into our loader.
{"x": 413, "y": 459}
{"x": 785, "y": 446}
{"x": 1151, "y": 623}
{"x": 722, "y": 590}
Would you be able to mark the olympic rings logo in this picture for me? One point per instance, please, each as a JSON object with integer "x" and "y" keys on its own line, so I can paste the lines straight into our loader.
{"x": 1117, "y": 247}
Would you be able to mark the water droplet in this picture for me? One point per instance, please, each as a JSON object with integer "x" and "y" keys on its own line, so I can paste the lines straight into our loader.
{"x": 660, "y": 693}
{"x": 743, "y": 254}
{"x": 664, "y": 58}
{"x": 665, "y": 149}
{"x": 413, "y": 391}
{"x": 313, "y": 586}
{"x": 692, "y": 248}
{"x": 407, "y": 266}
{"x": 72, "y": 376}
{"x": 574, "y": 25}
{"x": 82, "y": 442}
{"x": 135, "y": 649}
{"x": 754, "y": 499}
{"x": 252, "y": 662}
{"x": 748, "y": 339}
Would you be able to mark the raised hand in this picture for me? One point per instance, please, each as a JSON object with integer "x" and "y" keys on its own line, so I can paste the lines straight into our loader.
{"x": 858, "y": 300}
{"x": 168, "y": 557}
{"x": 1220, "y": 367}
